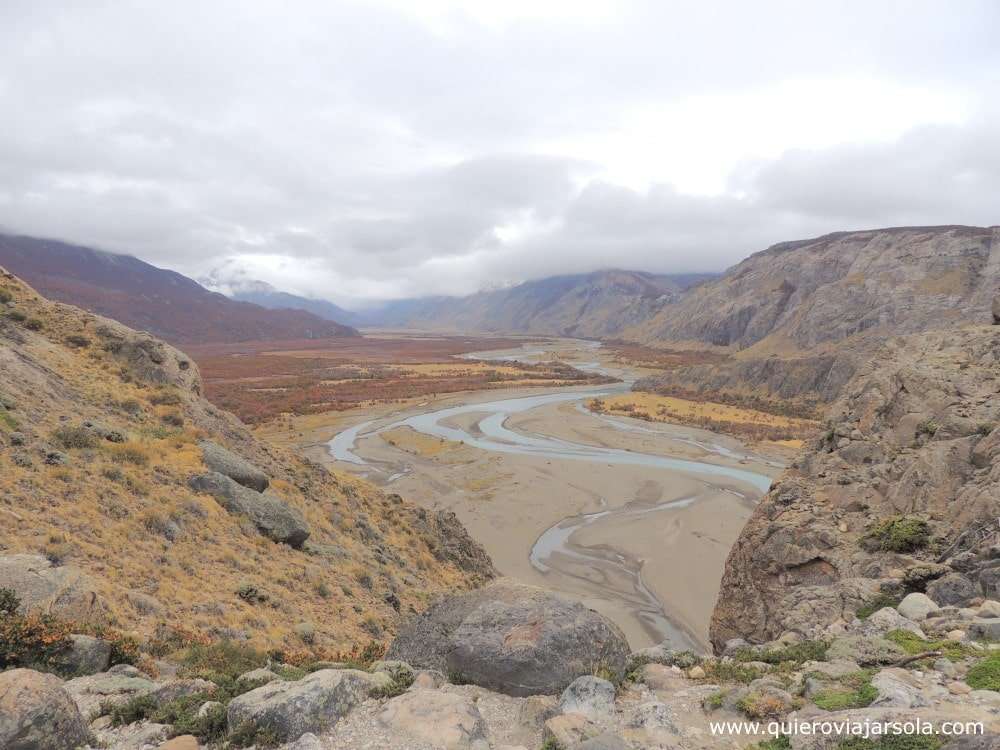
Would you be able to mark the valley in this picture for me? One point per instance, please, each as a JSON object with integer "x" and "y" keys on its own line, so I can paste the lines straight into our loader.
{"x": 632, "y": 518}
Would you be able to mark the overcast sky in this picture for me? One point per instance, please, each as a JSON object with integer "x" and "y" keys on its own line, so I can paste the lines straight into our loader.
{"x": 406, "y": 147}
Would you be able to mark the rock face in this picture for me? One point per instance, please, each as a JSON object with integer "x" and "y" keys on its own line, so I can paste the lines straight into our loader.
{"x": 64, "y": 591}
{"x": 273, "y": 517}
{"x": 826, "y": 304}
{"x": 235, "y": 467}
{"x": 512, "y": 638}
{"x": 913, "y": 439}
{"x": 290, "y": 709}
{"x": 447, "y": 720}
{"x": 37, "y": 714}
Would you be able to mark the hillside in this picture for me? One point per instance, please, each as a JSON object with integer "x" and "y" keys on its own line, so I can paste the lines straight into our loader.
{"x": 593, "y": 305}
{"x": 105, "y": 448}
{"x": 141, "y": 296}
{"x": 263, "y": 294}
{"x": 798, "y": 318}
{"x": 906, "y": 476}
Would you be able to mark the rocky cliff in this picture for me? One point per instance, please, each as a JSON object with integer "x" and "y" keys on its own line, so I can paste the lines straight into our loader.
{"x": 800, "y": 317}
{"x": 127, "y": 497}
{"x": 901, "y": 493}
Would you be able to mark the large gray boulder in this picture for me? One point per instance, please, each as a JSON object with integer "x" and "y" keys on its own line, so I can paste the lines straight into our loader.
{"x": 272, "y": 516}
{"x": 312, "y": 704}
{"x": 37, "y": 714}
{"x": 514, "y": 639}
{"x": 952, "y": 589}
{"x": 64, "y": 591}
{"x": 588, "y": 695}
{"x": 115, "y": 687}
{"x": 86, "y": 655}
{"x": 235, "y": 467}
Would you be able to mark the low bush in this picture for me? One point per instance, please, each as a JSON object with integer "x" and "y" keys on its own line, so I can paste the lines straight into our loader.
{"x": 29, "y": 640}
{"x": 68, "y": 438}
{"x": 797, "y": 653}
{"x": 894, "y": 742}
{"x": 129, "y": 453}
{"x": 34, "y": 324}
{"x": 220, "y": 661}
{"x": 17, "y": 316}
{"x": 913, "y": 644}
{"x": 985, "y": 675}
{"x": 898, "y": 534}
{"x": 77, "y": 341}
{"x": 852, "y": 691}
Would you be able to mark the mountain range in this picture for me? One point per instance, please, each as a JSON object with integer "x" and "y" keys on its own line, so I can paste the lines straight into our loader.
{"x": 145, "y": 297}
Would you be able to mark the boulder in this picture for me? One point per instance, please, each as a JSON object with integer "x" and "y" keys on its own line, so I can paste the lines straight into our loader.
{"x": 445, "y": 719}
{"x": 590, "y": 696}
{"x": 897, "y": 689}
{"x": 64, "y": 591}
{"x": 604, "y": 741}
{"x": 569, "y": 730}
{"x": 312, "y": 704}
{"x": 652, "y": 716}
{"x": 886, "y": 620}
{"x": 865, "y": 650}
{"x": 273, "y": 517}
{"x": 116, "y": 686}
{"x": 86, "y": 655}
{"x": 984, "y": 629}
{"x": 37, "y": 714}
{"x": 952, "y": 589}
{"x": 237, "y": 468}
{"x": 428, "y": 679}
{"x": 916, "y": 607}
{"x": 261, "y": 675}
{"x": 182, "y": 742}
{"x": 513, "y": 639}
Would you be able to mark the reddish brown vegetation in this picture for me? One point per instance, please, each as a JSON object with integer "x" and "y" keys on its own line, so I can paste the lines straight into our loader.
{"x": 259, "y": 381}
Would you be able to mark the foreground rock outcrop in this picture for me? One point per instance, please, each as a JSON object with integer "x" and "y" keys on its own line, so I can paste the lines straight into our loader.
{"x": 512, "y": 638}
{"x": 901, "y": 494}
{"x": 36, "y": 713}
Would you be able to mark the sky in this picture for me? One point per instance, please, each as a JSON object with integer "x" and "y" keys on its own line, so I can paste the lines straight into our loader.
{"x": 360, "y": 151}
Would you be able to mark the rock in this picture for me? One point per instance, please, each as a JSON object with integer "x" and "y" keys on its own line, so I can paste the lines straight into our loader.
{"x": 653, "y": 715}
{"x": 982, "y": 629}
{"x": 175, "y": 689}
{"x": 569, "y": 730}
{"x": 955, "y": 635}
{"x": 834, "y": 669}
{"x": 86, "y": 655}
{"x": 733, "y": 645}
{"x": 182, "y": 742}
{"x": 308, "y": 741}
{"x": 428, "y": 679}
{"x": 139, "y": 736}
{"x": 312, "y": 704}
{"x": 448, "y": 720}
{"x": 660, "y": 677}
{"x": 37, "y": 714}
{"x": 273, "y": 517}
{"x": 535, "y": 710}
{"x": 208, "y": 707}
{"x": 513, "y": 639}
{"x": 916, "y": 606}
{"x": 951, "y": 589}
{"x": 237, "y": 468}
{"x": 604, "y": 741}
{"x": 63, "y": 591}
{"x": 696, "y": 673}
{"x": 995, "y": 309}
{"x": 399, "y": 671}
{"x": 989, "y": 608}
{"x": 261, "y": 675}
{"x": 114, "y": 687}
{"x": 865, "y": 650}
{"x": 17, "y": 438}
{"x": 886, "y": 620}
{"x": 989, "y": 582}
{"x": 144, "y": 604}
{"x": 988, "y": 741}
{"x": 590, "y": 696}
{"x": 959, "y": 688}
{"x": 897, "y": 689}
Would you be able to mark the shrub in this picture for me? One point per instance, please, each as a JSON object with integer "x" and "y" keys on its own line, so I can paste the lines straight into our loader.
{"x": 5, "y": 296}
{"x": 928, "y": 427}
{"x": 34, "y": 324}
{"x": 798, "y": 653}
{"x": 130, "y": 406}
{"x": 778, "y": 743}
{"x": 986, "y": 674}
{"x": 173, "y": 419}
{"x": 894, "y": 742}
{"x": 251, "y": 594}
{"x": 898, "y": 534}
{"x": 731, "y": 671}
{"x": 222, "y": 660}
{"x": 913, "y": 644}
{"x": 9, "y": 602}
{"x": 165, "y": 398}
{"x": 761, "y": 706}
{"x": 77, "y": 341}
{"x": 17, "y": 316}
{"x": 31, "y": 640}
{"x": 853, "y": 691}
{"x": 7, "y": 419}
{"x": 74, "y": 437}
{"x": 129, "y": 453}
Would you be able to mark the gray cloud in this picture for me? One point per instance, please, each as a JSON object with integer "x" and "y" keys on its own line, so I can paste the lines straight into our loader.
{"x": 357, "y": 150}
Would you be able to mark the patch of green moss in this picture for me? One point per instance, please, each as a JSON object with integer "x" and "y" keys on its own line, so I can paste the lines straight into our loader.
{"x": 913, "y": 644}
{"x": 851, "y": 691}
{"x": 731, "y": 671}
{"x": 986, "y": 674}
{"x": 898, "y": 534}
{"x": 778, "y": 743}
{"x": 796, "y": 653}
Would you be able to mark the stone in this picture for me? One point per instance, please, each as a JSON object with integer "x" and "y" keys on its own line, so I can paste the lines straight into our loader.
{"x": 897, "y": 688}
{"x": 112, "y": 688}
{"x": 696, "y": 673}
{"x": 36, "y": 713}
{"x": 834, "y": 669}
{"x": 86, "y": 655}
{"x": 660, "y": 677}
{"x": 886, "y": 620}
{"x": 208, "y": 707}
{"x": 513, "y": 639}
{"x": 652, "y": 716}
{"x": 235, "y": 467}
{"x": 535, "y": 710}
{"x": 959, "y": 688}
{"x": 144, "y": 604}
{"x": 955, "y": 635}
{"x": 273, "y": 517}
{"x": 983, "y": 629}
{"x": 428, "y": 679}
{"x": 448, "y": 720}
{"x": 261, "y": 675}
{"x": 989, "y": 582}
{"x": 139, "y": 736}
{"x": 308, "y": 741}
{"x": 916, "y": 606}
{"x": 312, "y": 704}
{"x": 952, "y": 589}
{"x": 995, "y": 309}
{"x": 733, "y": 645}
{"x": 865, "y": 650}
{"x": 989, "y": 608}
{"x": 64, "y": 591}
{"x": 182, "y": 742}
{"x": 175, "y": 689}
{"x": 589, "y": 696}
{"x": 569, "y": 730}
{"x": 604, "y": 741}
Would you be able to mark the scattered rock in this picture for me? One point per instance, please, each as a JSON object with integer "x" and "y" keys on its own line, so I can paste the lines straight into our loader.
{"x": 114, "y": 687}
{"x": 984, "y": 629}
{"x": 865, "y": 650}
{"x": 916, "y": 606}
{"x": 37, "y": 714}
{"x": 886, "y": 620}
{"x": 951, "y": 589}
{"x": 590, "y": 696}
{"x": 273, "y": 517}
{"x": 448, "y": 720}
{"x": 312, "y": 704}
{"x": 569, "y": 730}
{"x": 237, "y": 468}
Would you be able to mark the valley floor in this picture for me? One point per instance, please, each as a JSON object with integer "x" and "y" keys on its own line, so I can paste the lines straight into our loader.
{"x": 633, "y": 518}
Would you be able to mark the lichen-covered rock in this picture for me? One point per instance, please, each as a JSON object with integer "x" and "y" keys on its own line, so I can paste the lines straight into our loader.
{"x": 272, "y": 516}
{"x": 952, "y": 589}
{"x": 86, "y": 655}
{"x": 235, "y": 467}
{"x": 917, "y": 606}
{"x": 312, "y": 704}
{"x": 512, "y": 638}
{"x": 591, "y": 696}
{"x": 445, "y": 719}
{"x": 37, "y": 714}
{"x": 63, "y": 590}
{"x": 116, "y": 686}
